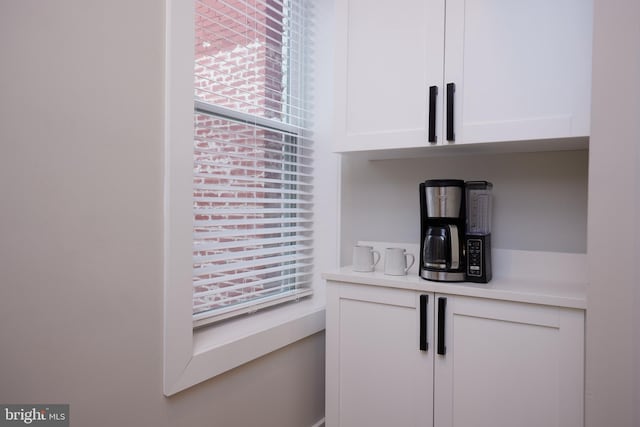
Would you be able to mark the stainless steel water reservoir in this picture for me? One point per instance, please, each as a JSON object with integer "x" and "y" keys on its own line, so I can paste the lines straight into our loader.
{"x": 444, "y": 198}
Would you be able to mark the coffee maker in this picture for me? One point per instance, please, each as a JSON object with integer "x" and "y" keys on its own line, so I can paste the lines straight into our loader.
{"x": 442, "y": 229}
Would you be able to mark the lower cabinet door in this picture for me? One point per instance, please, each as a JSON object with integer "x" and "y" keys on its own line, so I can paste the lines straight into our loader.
{"x": 509, "y": 364}
{"x": 377, "y": 375}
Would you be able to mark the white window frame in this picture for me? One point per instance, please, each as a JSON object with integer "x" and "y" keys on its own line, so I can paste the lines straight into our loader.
{"x": 191, "y": 357}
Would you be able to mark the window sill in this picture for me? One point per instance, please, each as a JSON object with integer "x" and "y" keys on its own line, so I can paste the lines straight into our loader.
{"x": 219, "y": 348}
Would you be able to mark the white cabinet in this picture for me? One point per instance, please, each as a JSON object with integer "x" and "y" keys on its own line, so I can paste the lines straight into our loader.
{"x": 504, "y": 363}
{"x": 521, "y": 71}
{"x": 388, "y": 53}
{"x": 376, "y": 374}
{"x": 509, "y": 364}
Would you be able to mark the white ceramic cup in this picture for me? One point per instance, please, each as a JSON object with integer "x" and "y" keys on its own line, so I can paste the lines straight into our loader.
{"x": 364, "y": 258}
{"x": 396, "y": 261}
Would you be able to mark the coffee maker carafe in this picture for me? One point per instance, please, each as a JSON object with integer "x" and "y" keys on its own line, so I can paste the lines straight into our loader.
{"x": 442, "y": 218}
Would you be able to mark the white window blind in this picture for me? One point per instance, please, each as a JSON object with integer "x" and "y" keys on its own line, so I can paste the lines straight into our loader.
{"x": 253, "y": 159}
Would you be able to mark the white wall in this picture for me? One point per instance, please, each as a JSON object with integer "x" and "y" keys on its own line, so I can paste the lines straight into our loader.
{"x": 613, "y": 316}
{"x": 81, "y": 197}
{"x": 540, "y": 199}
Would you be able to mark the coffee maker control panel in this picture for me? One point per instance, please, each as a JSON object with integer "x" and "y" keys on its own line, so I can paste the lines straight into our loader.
{"x": 478, "y": 258}
{"x": 474, "y": 257}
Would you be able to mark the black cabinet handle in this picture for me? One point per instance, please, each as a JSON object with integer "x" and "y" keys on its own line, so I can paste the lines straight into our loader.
{"x": 433, "y": 98}
{"x": 424, "y": 301}
{"x": 451, "y": 89}
{"x": 442, "y": 310}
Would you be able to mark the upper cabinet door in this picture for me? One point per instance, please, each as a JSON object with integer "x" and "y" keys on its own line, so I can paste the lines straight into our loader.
{"x": 388, "y": 55}
{"x": 522, "y": 69}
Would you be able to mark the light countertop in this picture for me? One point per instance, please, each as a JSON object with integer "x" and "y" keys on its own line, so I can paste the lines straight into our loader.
{"x": 561, "y": 282}
{"x": 556, "y": 293}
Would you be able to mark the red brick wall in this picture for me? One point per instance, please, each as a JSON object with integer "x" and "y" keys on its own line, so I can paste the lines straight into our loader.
{"x": 241, "y": 69}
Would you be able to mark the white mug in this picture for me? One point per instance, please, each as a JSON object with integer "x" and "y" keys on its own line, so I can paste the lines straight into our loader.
{"x": 364, "y": 258}
{"x": 396, "y": 260}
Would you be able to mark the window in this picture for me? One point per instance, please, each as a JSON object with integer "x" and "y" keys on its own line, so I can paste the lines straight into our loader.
{"x": 252, "y": 162}
{"x": 253, "y": 132}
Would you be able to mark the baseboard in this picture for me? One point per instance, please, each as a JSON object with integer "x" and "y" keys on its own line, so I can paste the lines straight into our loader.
{"x": 319, "y": 423}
